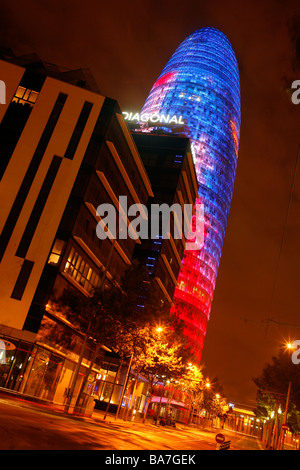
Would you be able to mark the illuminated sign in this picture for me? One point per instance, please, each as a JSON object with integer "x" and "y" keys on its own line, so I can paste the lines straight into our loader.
{"x": 153, "y": 118}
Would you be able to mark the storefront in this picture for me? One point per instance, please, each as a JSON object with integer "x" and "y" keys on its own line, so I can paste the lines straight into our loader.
{"x": 30, "y": 369}
{"x": 45, "y": 369}
{"x": 169, "y": 401}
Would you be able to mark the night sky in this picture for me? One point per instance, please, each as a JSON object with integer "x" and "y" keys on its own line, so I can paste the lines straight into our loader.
{"x": 126, "y": 45}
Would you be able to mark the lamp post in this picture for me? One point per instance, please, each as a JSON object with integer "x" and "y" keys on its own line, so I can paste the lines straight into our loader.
{"x": 124, "y": 386}
{"x": 283, "y": 428}
{"x": 112, "y": 390}
{"x": 287, "y": 403}
{"x": 77, "y": 368}
{"x": 284, "y": 420}
{"x": 276, "y": 433}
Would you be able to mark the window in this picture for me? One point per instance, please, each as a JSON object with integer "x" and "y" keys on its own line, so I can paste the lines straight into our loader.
{"x": 25, "y": 96}
{"x": 56, "y": 251}
{"x": 79, "y": 270}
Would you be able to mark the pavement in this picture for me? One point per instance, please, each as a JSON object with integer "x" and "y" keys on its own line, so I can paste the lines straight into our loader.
{"x": 238, "y": 440}
{"x": 97, "y": 415}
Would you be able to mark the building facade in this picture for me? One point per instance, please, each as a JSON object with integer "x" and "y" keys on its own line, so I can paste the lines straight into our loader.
{"x": 200, "y": 85}
{"x": 169, "y": 165}
{"x": 65, "y": 150}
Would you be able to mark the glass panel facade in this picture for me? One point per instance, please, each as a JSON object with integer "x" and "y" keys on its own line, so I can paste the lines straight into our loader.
{"x": 12, "y": 369}
{"x": 77, "y": 268}
{"x": 201, "y": 83}
{"x": 29, "y": 369}
{"x": 44, "y": 374}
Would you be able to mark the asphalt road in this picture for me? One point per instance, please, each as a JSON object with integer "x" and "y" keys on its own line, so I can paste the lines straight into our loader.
{"x": 25, "y": 426}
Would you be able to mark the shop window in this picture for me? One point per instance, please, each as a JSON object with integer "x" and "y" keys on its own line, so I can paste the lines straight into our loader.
{"x": 12, "y": 369}
{"x": 44, "y": 374}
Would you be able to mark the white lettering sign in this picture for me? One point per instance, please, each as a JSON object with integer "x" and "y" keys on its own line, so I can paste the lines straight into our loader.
{"x": 296, "y": 94}
{"x": 2, "y": 92}
{"x": 153, "y": 118}
{"x": 2, "y": 352}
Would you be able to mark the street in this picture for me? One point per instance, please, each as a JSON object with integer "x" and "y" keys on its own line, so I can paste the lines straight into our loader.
{"x": 27, "y": 426}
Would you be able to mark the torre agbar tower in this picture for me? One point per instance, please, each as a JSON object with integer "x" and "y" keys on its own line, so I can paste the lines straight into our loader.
{"x": 201, "y": 83}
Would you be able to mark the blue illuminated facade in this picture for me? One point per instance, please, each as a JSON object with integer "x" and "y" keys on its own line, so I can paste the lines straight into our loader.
{"x": 201, "y": 83}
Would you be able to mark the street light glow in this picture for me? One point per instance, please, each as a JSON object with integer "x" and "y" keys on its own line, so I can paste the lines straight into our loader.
{"x": 288, "y": 344}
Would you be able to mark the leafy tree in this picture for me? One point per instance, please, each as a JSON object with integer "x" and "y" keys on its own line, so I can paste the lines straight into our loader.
{"x": 192, "y": 383}
{"x": 219, "y": 407}
{"x": 273, "y": 385}
{"x": 210, "y": 401}
{"x": 124, "y": 316}
{"x": 113, "y": 313}
{"x": 160, "y": 362}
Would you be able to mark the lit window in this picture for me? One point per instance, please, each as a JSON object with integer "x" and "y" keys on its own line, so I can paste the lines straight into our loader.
{"x": 79, "y": 270}
{"x": 25, "y": 96}
{"x": 56, "y": 251}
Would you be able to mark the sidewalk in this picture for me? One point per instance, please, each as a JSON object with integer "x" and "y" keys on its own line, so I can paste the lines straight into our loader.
{"x": 50, "y": 407}
{"x": 97, "y": 415}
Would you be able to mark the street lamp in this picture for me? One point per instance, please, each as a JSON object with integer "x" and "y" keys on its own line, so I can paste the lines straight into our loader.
{"x": 280, "y": 440}
{"x": 284, "y": 426}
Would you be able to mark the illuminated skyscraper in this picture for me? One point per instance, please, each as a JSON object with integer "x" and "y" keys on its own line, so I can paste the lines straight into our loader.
{"x": 201, "y": 83}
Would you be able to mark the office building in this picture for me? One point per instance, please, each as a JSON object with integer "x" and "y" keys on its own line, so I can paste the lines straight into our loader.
{"x": 65, "y": 149}
{"x": 168, "y": 161}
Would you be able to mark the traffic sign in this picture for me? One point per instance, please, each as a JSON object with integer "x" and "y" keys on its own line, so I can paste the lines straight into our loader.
{"x": 225, "y": 445}
{"x": 284, "y": 427}
{"x": 220, "y": 438}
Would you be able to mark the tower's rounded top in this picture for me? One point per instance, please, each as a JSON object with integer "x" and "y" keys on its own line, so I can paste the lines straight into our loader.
{"x": 206, "y": 57}
{"x": 208, "y": 39}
